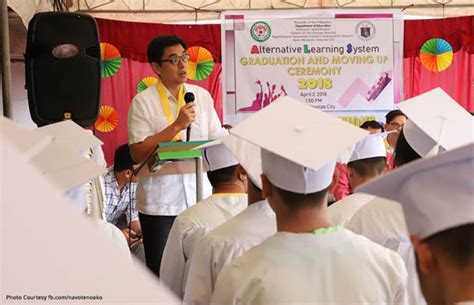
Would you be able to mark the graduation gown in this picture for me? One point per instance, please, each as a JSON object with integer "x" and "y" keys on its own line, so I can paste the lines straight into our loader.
{"x": 188, "y": 228}
{"x": 383, "y": 222}
{"x": 222, "y": 245}
{"x": 341, "y": 212}
{"x": 333, "y": 268}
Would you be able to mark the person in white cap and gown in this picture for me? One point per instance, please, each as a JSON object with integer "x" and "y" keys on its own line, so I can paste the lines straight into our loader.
{"x": 436, "y": 123}
{"x": 440, "y": 221}
{"x": 308, "y": 261}
{"x": 229, "y": 188}
{"x": 33, "y": 263}
{"x": 234, "y": 237}
{"x": 367, "y": 162}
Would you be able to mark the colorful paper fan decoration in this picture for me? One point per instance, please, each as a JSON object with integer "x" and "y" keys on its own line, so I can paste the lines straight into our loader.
{"x": 146, "y": 82}
{"x": 436, "y": 55}
{"x": 108, "y": 119}
{"x": 200, "y": 64}
{"x": 110, "y": 59}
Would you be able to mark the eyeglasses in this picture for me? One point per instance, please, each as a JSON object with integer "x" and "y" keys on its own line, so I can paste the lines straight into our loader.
{"x": 396, "y": 125}
{"x": 176, "y": 59}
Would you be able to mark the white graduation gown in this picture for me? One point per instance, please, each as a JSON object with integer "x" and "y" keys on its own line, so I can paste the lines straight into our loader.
{"x": 341, "y": 212}
{"x": 383, "y": 222}
{"x": 115, "y": 234}
{"x": 222, "y": 245}
{"x": 333, "y": 268}
{"x": 188, "y": 228}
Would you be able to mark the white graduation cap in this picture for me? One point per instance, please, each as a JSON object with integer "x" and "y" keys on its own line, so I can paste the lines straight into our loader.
{"x": 421, "y": 143}
{"x": 371, "y": 146}
{"x": 248, "y": 155}
{"x": 216, "y": 155}
{"x": 71, "y": 136}
{"x": 436, "y": 193}
{"x": 65, "y": 167}
{"x": 76, "y": 260}
{"x": 299, "y": 143}
{"x": 56, "y": 151}
{"x": 436, "y": 121}
{"x": 27, "y": 143}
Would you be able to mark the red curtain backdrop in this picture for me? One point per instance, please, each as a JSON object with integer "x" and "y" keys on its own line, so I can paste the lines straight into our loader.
{"x": 132, "y": 38}
{"x": 458, "y": 79}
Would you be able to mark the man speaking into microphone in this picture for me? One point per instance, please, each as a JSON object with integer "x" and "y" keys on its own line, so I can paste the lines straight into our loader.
{"x": 161, "y": 114}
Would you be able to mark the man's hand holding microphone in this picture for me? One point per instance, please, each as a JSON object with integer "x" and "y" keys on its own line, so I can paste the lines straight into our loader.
{"x": 187, "y": 114}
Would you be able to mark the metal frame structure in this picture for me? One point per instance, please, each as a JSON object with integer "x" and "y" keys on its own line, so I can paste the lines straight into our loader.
{"x": 87, "y": 6}
{"x": 6, "y": 65}
{"x": 182, "y": 6}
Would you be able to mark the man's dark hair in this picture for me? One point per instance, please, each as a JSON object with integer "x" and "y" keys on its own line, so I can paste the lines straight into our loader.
{"x": 392, "y": 115}
{"x": 369, "y": 167}
{"x": 297, "y": 201}
{"x": 157, "y": 46}
{"x": 123, "y": 159}
{"x": 457, "y": 244}
{"x": 404, "y": 153}
{"x": 371, "y": 124}
{"x": 223, "y": 175}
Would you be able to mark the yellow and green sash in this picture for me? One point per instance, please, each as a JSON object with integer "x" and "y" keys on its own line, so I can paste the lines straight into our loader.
{"x": 220, "y": 195}
{"x": 165, "y": 103}
{"x": 322, "y": 231}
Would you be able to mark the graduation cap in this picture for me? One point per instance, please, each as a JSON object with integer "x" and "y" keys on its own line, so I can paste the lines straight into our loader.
{"x": 54, "y": 256}
{"x": 436, "y": 194}
{"x": 55, "y": 150}
{"x": 436, "y": 123}
{"x": 248, "y": 155}
{"x": 370, "y": 146}
{"x": 299, "y": 144}
{"x": 69, "y": 135}
{"x": 26, "y": 142}
{"x": 216, "y": 155}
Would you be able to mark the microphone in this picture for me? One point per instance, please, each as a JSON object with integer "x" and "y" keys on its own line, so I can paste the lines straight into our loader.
{"x": 188, "y": 98}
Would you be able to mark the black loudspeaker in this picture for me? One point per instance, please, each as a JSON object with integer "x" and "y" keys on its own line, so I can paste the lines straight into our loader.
{"x": 63, "y": 68}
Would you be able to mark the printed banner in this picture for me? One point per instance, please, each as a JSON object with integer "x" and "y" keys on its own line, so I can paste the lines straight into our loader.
{"x": 334, "y": 62}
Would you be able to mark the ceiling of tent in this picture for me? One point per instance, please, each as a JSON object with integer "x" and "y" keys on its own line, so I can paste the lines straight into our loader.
{"x": 167, "y": 11}
{"x": 192, "y": 10}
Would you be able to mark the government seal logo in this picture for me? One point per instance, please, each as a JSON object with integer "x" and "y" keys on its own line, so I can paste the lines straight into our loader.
{"x": 260, "y": 31}
{"x": 365, "y": 30}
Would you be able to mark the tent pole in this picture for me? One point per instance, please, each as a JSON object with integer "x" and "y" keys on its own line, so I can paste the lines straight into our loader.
{"x": 6, "y": 67}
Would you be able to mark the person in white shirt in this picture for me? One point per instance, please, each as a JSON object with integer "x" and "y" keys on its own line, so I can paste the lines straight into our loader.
{"x": 234, "y": 237}
{"x": 159, "y": 114}
{"x": 229, "y": 188}
{"x": 308, "y": 261}
{"x": 431, "y": 129}
{"x": 440, "y": 221}
{"x": 382, "y": 221}
{"x": 367, "y": 162}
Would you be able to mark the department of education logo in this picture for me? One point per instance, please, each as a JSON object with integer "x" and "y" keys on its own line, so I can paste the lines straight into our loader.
{"x": 365, "y": 30}
{"x": 260, "y": 31}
